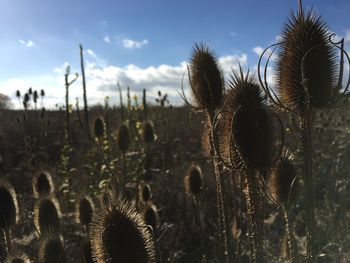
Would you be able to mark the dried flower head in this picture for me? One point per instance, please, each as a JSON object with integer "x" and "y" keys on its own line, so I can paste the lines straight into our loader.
{"x": 42, "y": 184}
{"x": 8, "y": 205}
{"x": 84, "y": 210}
{"x": 145, "y": 192}
{"x": 283, "y": 183}
{"x": 51, "y": 250}
{"x": 123, "y": 138}
{"x": 194, "y": 180}
{"x": 206, "y": 78}
{"x": 305, "y": 36}
{"x": 119, "y": 234}
{"x": 47, "y": 215}
{"x": 245, "y": 128}
{"x": 99, "y": 128}
{"x": 148, "y": 132}
{"x": 150, "y": 215}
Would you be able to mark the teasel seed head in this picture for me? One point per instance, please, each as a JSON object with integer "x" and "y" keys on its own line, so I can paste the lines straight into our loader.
{"x": 148, "y": 132}
{"x": 245, "y": 127}
{"x": 84, "y": 210}
{"x": 51, "y": 249}
{"x": 42, "y": 184}
{"x": 145, "y": 192}
{"x": 8, "y": 205}
{"x": 305, "y": 35}
{"x": 206, "y": 78}
{"x": 123, "y": 138}
{"x": 151, "y": 216}
{"x": 283, "y": 182}
{"x": 194, "y": 180}
{"x": 99, "y": 128}
{"x": 119, "y": 234}
{"x": 47, "y": 214}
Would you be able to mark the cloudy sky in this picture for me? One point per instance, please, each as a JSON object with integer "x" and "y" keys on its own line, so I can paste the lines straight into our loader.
{"x": 136, "y": 43}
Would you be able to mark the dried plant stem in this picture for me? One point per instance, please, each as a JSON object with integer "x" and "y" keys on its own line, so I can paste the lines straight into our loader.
{"x": 252, "y": 211}
{"x": 197, "y": 211}
{"x": 103, "y": 156}
{"x": 86, "y": 111}
{"x": 7, "y": 233}
{"x": 122, "y": 160}
{"x": 309, "y": 194}
{"x": 219, "y": 192}
{"x": 293, "y": 252}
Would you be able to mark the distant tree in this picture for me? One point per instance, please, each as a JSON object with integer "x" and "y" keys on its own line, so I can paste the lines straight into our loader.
{"x": 5, "y": 102}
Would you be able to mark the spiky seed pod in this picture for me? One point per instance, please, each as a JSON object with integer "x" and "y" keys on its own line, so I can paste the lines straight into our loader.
{"x": 18, "y": 94}
{"x": 305, "y": 33}
{"x": 42, "y": 93}
{"x": 194, "y": 180}
{"x": 119, "y": 234}
{"x": 8, "y": 205}
{"x": 17, "y": 257}
{"x": 85, "y": 251}
{"x": 42, "y": 184}
{"x": 99, "y": 128}
{"x": 84, "y": 210}
{"x": 123, "y": 138}
{"x": 252, "y": 129}
{"x": 47, "y": 215}
{"x": 283, "y": 184}
{"x": 30, "y": 91}
{"x": 51, "y": 250}
{"x": 206, "y": 78}
{"x": 148, "y": 132}
{"x": 150, "y": 216}
{"x": 145, "y": 192}
{"x": 35, "y": 96}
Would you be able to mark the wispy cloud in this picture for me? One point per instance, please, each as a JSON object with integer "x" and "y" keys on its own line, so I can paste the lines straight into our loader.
{"x": 107, "y": 39}
{"x": 91, "y": 53}
{"x": 28, "y": 43}
{"x": 233, "y": 34}
{"x": 132, "y": 44}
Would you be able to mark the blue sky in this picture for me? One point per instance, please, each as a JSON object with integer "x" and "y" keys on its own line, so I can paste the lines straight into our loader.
{"x": 143, "y": 44}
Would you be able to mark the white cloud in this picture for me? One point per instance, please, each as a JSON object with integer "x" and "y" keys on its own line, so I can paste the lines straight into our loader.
{"x": 28, "y": 43}
{"x": 62, "y": 69}
{"x": 258, "y": 50}
{"x": 102, "y": 81}
{"x": 107, "y": 39}
{"x": 131, "y": 44}
{"x": 347, "y": 36}
{"x": 91, "y": 53}
{"x": 233, "y": 34}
